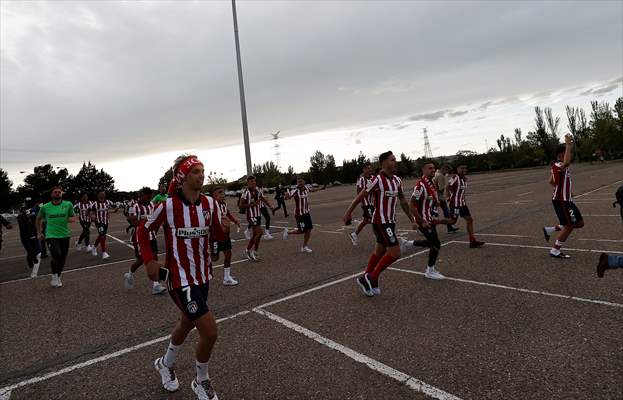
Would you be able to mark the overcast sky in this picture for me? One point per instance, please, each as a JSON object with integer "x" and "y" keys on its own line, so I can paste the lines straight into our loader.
{"x": 129, "y": 85}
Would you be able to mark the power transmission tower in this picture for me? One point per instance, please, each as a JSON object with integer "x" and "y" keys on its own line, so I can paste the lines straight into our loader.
{"x": 276, "y": 148}
{"x": 428, "y": 153}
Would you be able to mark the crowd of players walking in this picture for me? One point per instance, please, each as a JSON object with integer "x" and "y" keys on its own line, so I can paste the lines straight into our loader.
{"x": 197, "y": 229}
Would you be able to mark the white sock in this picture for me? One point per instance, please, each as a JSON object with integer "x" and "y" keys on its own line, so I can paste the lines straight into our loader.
{"x": 202, "y": 371}
{"x": 169, "y": 357}
{"x": 226, "y": 273}
{"x": 550, "y": 229}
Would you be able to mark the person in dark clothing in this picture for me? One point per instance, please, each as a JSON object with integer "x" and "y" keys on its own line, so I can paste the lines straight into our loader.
{"x": 26, "y": 221}
{"x": 44, "y": 248}
{"x": 6, "y": 224}
{"x": 619, "y": 197}
{"x": 279, "y": 197}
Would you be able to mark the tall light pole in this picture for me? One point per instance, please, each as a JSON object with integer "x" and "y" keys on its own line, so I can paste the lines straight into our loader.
{"x": 243, "y": 106}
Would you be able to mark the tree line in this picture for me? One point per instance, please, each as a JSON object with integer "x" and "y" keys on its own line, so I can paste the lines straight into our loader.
{"x": 596, "y": 135}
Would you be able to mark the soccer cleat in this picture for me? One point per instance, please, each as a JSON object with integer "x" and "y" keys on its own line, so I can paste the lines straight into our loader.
{"x": 268, "y": 236}
{"x": 306, "y": 249}
{"x": 602, "y": 265}
{"x": 248, "y": 254}
{"x": 230, "y": 281}
{"x": 105, "y": 255}
{"x": 354, "y": 238}
{"x": 247, "y": 234}
{"x": 285, "y": 234}
{"x": 128, "y": 280}
{"x": 546, "y": 235}
{"x": 158, "y": 288}
{"x": 364, "y": 286}
{"x": 203, "y": 390}
{"x": 432, "y": 273}
{"x": 167, "y": 375}
{"x": 94, "y": 251}
{"x": 475, "y": 244}
{"x": 559, "y": 254}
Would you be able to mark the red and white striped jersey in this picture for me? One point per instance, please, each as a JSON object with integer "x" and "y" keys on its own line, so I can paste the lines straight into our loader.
{"x": 362, "y": 183}
{"x": 83, "y": 210}
{"x": 456, "y": 187}
{"x": 142, "y": 211}
{"x": 187, "y": 230}
{"x": 562, "y": 182}
{"x": 301, "y": 203}
{"x": 425, "y": 196}
{"x": 250, "y": 196}
{"x": 385, "y": 190}
{"x": 102, "y": 211}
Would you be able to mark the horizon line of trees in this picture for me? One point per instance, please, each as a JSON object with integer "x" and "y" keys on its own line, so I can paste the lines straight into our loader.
{"x": 598, "y": 135}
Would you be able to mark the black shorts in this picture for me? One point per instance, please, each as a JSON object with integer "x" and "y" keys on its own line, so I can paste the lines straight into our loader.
{"x": 102, "y": 229}
{"x": 154, "y": 249}
{"x": 304, "y": 223}
{"x": 385, "y": 234}
{"x": 85, "y": 224}
{"x": 220, "y": 247}
{"x": 257, "y": 221}
{"x": 191, "y": 300}
{"x": 368, "y": 211}
{"x": 461, "y": 211}
{"x": 567, "y": 212}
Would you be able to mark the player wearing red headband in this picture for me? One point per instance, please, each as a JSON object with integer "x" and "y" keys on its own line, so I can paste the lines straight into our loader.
{"x": 188, "y": 219}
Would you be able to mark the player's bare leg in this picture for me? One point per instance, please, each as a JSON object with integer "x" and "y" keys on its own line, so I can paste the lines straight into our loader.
{"x": 470, "y": 230}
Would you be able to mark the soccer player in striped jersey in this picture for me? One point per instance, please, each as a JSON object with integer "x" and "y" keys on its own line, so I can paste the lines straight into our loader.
{"x": 569, "y": 215}
{"x": 189, "y": 219}
{"x": 100, "y": 213}
{"x": 83, "y": 209}
{"x": 386, "y": 188}
{"x": 304, "y": 223}
{"x": 457, "y": 186}
{"x": 424, "y": 203}
{"x": 224, "y": 245}
{"x": 137, "y": 214}
{"x": 252, "y": 199}
{"x": 367, "y": 204}
{"x": 266, "y": 214}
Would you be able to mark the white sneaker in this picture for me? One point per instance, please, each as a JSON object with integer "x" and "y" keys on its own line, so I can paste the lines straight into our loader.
{"x": 89, "y": 248}
{"x": 230, "y": 281}
{"x": 203, "y": 390}
{"x": 403, "y": 244}
{"x": 105, "y": 255}
{"x": 54, "y": 281}
{"x": 248, "y": 254}
{"x": 268, "y": 236}
{"x": 306, "y": 249}
{"x": 432, "y": 273}
{"x": 255, "y": 256}
{"x": 128, "y": 280}
{"x": 158, "y": 288}
{"x": 35, "y": 267}
{"x": 354, "y": 238}
{"x": 169, "y": 379}
{"x": 58, "y": 282}
{"x": 285, "y": 234}
{"x": 247, "y": 234}
{"x": 94, "y": 251}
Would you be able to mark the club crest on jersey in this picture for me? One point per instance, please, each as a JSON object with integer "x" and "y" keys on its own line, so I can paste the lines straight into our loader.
{"x": 206, "y": 214}
{"x": 192, "y": 307}
{"x": 190, "y": 233}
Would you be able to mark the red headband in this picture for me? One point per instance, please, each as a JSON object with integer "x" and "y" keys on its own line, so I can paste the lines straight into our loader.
{"x": 182, "y": 171}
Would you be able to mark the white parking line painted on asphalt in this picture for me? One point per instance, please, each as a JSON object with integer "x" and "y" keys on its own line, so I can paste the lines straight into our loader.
{"x": 498, "y": 286}
{"x": 603, "y": 240}
{"x": 409, "y": 381}
{"x": 543, "y": 247}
